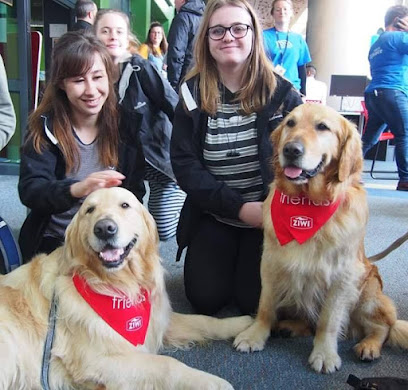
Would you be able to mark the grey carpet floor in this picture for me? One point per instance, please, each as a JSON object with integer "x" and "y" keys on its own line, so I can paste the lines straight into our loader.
{"x": 283, "y": 363}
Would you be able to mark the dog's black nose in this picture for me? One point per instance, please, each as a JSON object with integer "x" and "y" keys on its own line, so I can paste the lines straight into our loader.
{"x": 293, "y": 150}
{"x": 105, "y": 228}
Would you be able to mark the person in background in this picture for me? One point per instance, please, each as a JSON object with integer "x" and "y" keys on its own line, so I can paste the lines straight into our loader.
{"x": 221, "y": 156}
{"x": 74, "y": 145}
{"x": 7, "y": 114}
{"x": 181, "y": 37}
{"x": 147, "y": 106}
{"x": 376, "y": 36}
{"x": 155, "y": 47}
{"x": 316, "y": 91}
{"x": 287, "y": 50}
{"x": 85, "y": 12}
{"x": 386, "y": 97}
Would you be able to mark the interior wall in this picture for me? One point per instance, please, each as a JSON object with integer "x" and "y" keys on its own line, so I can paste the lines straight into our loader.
{"x": 338, "y": 33}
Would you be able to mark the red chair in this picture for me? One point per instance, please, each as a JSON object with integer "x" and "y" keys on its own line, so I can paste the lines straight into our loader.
{"x": 386, "y": 135}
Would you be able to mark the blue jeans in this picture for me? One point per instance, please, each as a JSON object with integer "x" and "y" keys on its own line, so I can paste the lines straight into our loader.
{"x": 388, "y": 107}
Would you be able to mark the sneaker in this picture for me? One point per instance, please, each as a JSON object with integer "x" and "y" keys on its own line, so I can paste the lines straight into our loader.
{"x": 402, "y": 186}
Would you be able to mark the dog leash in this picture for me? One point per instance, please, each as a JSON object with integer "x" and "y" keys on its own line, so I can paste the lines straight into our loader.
{"x": 45, "y": 367}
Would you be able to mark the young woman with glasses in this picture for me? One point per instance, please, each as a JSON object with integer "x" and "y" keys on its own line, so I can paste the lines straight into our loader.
{"x": 220, "y": 151}
{"x": 155, "y": 47}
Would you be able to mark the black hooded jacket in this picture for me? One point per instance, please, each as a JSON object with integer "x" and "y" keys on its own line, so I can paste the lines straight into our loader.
{"x": 181, "y": 38}
{"x": 44, "y": 188}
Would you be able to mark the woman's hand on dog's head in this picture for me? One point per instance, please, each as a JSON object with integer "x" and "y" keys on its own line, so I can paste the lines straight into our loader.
{"x": 95, "y": 181}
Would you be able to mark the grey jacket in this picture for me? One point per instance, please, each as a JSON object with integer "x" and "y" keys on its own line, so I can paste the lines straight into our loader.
{"x": 7, "y": 115}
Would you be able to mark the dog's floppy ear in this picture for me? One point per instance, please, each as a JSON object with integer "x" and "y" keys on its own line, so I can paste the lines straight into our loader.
{"x": 72, "y": 236}
{"x": 351, "y": 155}
{"x": 151, "y": 227}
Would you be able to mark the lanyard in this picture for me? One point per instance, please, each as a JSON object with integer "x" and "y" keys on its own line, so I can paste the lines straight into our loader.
{"x": 282, "y": 52}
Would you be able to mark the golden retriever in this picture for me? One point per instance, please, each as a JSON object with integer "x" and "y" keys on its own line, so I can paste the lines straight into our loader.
{"x": 111, "y": 247}
{"x": 322, "y": 278}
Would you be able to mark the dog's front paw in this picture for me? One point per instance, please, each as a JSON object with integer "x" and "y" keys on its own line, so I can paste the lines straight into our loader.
{"x": 236, "y": 325}
{"x": 368, "y": 350}
{"x": 253, "y": 339}
{"x": 324, "y": 360}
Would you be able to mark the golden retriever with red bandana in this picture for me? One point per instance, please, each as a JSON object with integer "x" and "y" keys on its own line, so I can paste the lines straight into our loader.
{"x": 112, "y": 311}
{"x": 314, "y": 265}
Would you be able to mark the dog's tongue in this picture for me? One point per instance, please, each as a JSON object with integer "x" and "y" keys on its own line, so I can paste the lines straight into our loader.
{"x": 111, "y": 254}
{"x": 292, "y": 172}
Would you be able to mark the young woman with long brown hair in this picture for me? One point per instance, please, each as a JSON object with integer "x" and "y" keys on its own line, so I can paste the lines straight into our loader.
{"x": 74, "y": 145}
{"x": 154, "y": 49}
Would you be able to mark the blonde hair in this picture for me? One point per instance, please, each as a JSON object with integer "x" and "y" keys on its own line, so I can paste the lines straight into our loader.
{"x": 133, "y": 41}
{"x": 259, "y": 81}
{"x": 287, "y": 1}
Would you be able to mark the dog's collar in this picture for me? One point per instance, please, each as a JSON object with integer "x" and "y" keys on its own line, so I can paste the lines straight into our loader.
{"x": 127, "y": 318}
{"x": 298, "y": 217}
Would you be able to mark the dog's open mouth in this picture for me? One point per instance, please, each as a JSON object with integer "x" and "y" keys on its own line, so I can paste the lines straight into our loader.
{"x": 295, "y": 173}
{"x": 112, "y": 257}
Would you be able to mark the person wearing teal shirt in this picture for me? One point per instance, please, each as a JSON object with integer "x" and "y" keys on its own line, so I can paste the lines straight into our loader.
{"x": 386, "y": 97}
{"x": 287, "y": 50}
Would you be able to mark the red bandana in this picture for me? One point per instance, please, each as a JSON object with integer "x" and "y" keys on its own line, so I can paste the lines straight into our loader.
{"x": 129, "y": 320}
{"x": 298, "y": 217}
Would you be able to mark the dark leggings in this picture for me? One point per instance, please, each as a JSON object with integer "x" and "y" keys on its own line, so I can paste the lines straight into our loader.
{"x": 222, "y": 265}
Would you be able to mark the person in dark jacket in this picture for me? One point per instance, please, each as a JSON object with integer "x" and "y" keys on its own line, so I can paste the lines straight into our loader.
{"x": 144, "y": 92}
{"x": 7, "y": 114}
{"x": 85, "y": 12}
{"x": 73, "y": 145}
{"x": 181, "y": 38}
{"x": 221, "y": 156}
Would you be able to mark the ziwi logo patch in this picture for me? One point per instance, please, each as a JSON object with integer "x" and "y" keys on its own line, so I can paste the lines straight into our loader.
{"x": 302, "y": 223}
{"x": 134, "y": 324}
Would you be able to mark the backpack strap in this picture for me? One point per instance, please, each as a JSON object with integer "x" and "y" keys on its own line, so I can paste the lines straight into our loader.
{"x": 125, "y": 79}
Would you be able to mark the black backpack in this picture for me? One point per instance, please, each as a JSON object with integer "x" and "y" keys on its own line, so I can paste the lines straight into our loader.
{"x": 10, "y": 256}
{"x": 381, "y": 383}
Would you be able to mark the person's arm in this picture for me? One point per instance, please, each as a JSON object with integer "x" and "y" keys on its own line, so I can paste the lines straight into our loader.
{"x": 192, "y": 176}
{"x": 302, "y": 76}
{"x": 178, "y": 42}
{"x": 7, "y": 115}
{"x": 157, "y": 89}
{"x": 38, "y": 185}
{"x": 132, "y": 165}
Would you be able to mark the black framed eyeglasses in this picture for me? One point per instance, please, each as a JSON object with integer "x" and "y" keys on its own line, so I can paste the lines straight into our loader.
{"x": 238, "y": 31}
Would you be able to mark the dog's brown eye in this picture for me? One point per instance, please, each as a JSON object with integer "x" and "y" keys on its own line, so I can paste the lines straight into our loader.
{"x": 291, "y": 123}
{"x": 125, "y": 205}
{"x": 89, "y": 210}
{"x": 322, "y": 126}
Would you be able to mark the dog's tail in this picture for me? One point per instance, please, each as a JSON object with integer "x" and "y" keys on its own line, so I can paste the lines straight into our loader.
{"x": 399, "y": 334}
{"x": 187, "y": 329}
{"x": 397, "y": 243}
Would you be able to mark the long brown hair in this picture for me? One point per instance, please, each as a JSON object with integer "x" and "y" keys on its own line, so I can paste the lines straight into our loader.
{"x": 73, "y": 55}
{"x": 163, "y": 44}
{"x": 259, "y": 81}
